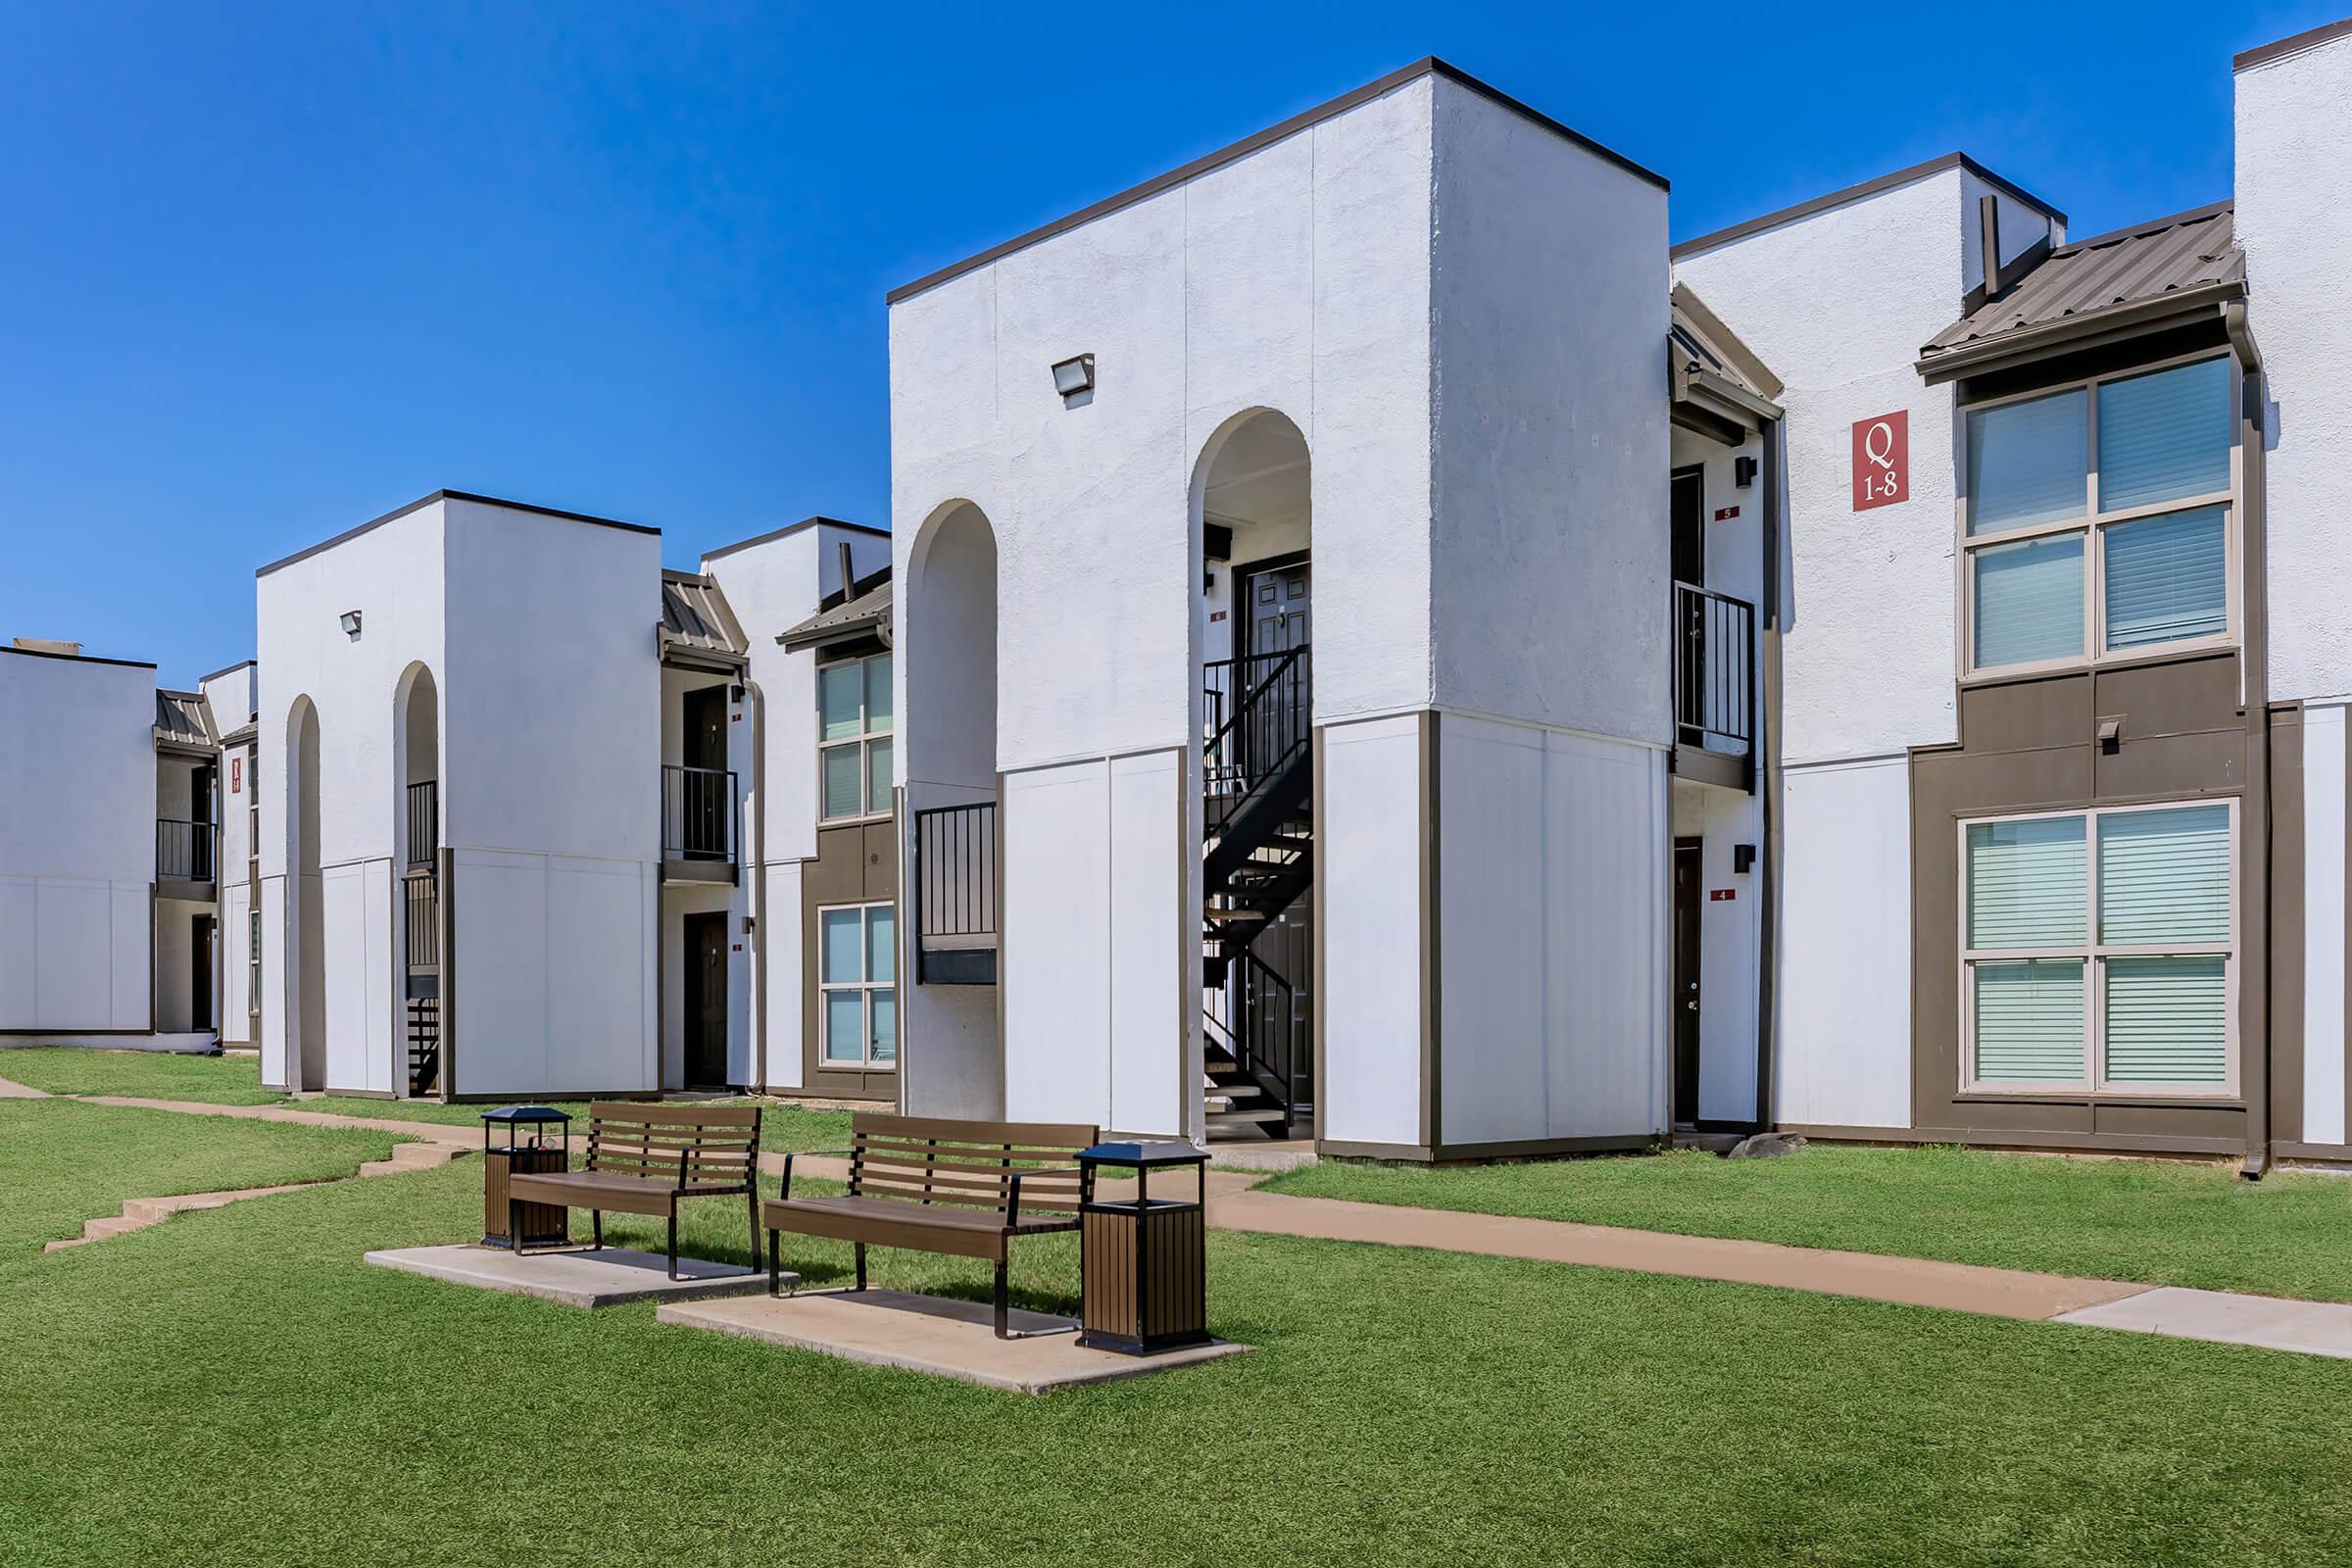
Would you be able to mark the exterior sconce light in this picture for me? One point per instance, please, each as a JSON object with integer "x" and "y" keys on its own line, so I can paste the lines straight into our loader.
{"x": 351, "y": 624}
{"x": 1743, "y": 471}
{"x": 1743, "y": 858}
{"x": 1074, "y": 377}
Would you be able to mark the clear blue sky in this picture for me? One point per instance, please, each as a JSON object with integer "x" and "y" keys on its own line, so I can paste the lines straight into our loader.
{"x": 268, "y": 270}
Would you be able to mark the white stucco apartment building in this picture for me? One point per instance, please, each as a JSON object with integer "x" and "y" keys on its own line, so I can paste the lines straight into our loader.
{"x": 534, "y": 812}
{"x": 111, "y": 852}
{"x": 1877, "y": 670}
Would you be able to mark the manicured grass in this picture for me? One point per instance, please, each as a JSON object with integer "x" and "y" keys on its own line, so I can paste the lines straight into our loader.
{"x": 62, "y": 1164}
{"x": 2161, "y": 1222}
{"x": 141, "y": 1074}
{"x": 279, "y": 1403}
{"x": 237, "y": 1081}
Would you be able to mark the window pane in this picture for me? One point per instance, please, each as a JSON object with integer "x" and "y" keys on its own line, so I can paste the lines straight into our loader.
{"x": 877, "y": 693}
{"x": 881, "y": 940}
{"x": 845, "y": 1026}
{"x": 2164, "y": 435}
{"x": 886, "y": 1026}
{"x": 2025, "y": 883}
{"x": 2029, "y": 600}
{"x": 2164, "y": 876}
{"x": 842, "y": 783}
{"x": 839, "y": 953}
{"x": 2030, "y": 1021}
{"x": 2026, "y": 462}
{"x": 2166, "y": 578}
{"x": 837, "y": 696}
{"x": 2168, "y": 1020}
{"x": 877, "y": 774}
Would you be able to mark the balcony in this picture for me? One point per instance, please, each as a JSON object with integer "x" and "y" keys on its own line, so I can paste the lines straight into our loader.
{"x": 185, "y": 864}
{"x": 699, "y": 824}
{"x": 1714, "y": 688}
{"x": 954, "y": 886}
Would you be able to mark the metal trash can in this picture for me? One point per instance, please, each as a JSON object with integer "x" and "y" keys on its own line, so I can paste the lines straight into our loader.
{"x": 1142, "y": 1261}
{"x": 543, "y": 1224}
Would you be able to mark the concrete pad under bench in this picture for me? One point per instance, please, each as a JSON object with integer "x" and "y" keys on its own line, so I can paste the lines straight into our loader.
{"x": 930, "y": 1334}
{"x": 590, "y": 1279}
{"x": 2308, "y": 1328}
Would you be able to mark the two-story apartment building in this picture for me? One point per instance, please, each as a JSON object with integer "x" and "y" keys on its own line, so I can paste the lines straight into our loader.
{"x": 534, "y": 810}
{"x": 1913, "y": 708}
{"x": 113, "y": 854}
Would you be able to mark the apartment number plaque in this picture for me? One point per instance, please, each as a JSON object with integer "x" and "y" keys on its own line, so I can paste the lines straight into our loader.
{"x": 1882, "y": 460}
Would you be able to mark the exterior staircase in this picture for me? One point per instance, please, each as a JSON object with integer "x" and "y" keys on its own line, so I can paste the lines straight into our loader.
{"x": 1259, "y": 861}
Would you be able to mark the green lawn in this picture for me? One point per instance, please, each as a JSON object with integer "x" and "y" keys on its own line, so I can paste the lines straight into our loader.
{"x": 2161, "y": 1222}
{"x": 62, "y": 1164}
{"x": 237, "y": 1081}
{"x": 278, "y": 1403}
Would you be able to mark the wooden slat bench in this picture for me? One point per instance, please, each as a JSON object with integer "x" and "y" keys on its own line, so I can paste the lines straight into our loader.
{"x": 646, "y": 1158}
{"x": 964, "y": 1188}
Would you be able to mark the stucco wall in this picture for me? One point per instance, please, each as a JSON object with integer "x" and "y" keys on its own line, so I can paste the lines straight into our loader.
{"x": 1549, "y": 550}
{"x": 1837, "y": 304}
{"x": 2294, "y": 223}
{"x": 78, "y": 793}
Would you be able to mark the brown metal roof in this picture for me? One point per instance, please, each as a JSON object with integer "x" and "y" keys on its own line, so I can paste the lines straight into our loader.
{"x": 180, "y": 720}
{"x": 2190, "y": 258}
{"x": 696, "y": 618}
{"x": 867, "y": 610}
{"x": 1698, "y": 339}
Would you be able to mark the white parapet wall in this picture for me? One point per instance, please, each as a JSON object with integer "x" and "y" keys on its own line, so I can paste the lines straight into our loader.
{"x": 77, "y": 791}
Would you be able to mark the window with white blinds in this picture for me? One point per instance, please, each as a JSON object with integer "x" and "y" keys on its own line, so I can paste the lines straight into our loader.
{"x": 853, "y": 738}
{"x": 2097, "y": 519}
{"x": 2098, "y": 950}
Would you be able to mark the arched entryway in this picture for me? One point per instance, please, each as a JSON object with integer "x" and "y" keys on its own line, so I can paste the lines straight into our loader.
{"x": 947, "y": 647}
{"x": 1253, "y": 521}
{"x": 417, "y": 843}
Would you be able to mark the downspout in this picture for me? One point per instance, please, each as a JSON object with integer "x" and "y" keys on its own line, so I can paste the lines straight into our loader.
{"x": 757, "y": 870}
{"x": 2254, "y": 693}
{"x": 1767, "y": 941}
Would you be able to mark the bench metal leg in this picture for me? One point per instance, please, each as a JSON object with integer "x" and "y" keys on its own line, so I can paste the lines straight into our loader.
{"x": 673, "y": 1241}
{"x": 596, "y": 1224}
{"x": 859, "y": 1247}
{"x": 515, "y": 1226}
{"x": 751, "y": 1202}
{"x": 775, "y": 1263}
{"x": 1004, "y": 1302}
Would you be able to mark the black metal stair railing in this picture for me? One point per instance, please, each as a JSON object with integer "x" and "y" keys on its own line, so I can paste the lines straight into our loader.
{"x": 1714, "y": 635}
{"x": 953, "y": 885}
{"x": 183, "y": 850}
{"x": 698, "y": 813}
{"x": 1257, "y": 714}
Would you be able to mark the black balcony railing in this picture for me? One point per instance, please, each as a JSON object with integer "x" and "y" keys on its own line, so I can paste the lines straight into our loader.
{"x": 183, "y": 850}
{"x": 1258, "y": 712}
{"x": 420, "y": 905}
{"x": 1714, "y": 672}
{"x": 425, "y": 821}
{"x": 698, "y": 813}
{"x": 955, "y": 890}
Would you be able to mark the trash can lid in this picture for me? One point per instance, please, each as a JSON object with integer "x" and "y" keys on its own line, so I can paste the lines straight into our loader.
{"x": 1144, "y": 1153}
{"x": 526, "y": 1113}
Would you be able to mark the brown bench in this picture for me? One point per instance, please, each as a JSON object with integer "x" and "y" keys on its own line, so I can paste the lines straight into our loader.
{"x": 964, "y": 1187}
{"x": 646, "y": 1159}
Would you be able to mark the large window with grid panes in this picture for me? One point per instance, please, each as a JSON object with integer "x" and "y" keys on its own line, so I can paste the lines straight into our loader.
{"x": 2099, "y": 951}
{"x": 857, "y": 985}
{"x": 2098, "y": 520}
{"x": 853, "y": 738}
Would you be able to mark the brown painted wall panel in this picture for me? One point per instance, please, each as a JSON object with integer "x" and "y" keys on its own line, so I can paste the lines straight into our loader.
{"x": 857, "y": 863}
{"x": 2033, "y": 745}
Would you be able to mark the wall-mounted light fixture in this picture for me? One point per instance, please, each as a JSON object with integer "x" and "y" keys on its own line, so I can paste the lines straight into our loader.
{"x": 1074, "y": 378}
{"x": 1743, "y": 471}
{"x": 351, "y": 624}
{"x": 1743, "y": 858}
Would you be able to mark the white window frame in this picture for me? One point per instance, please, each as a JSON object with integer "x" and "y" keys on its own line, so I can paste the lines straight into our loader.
{"x": 863, "y": 741}
{"x": 2093, "y": 524}
{"x": 865, "y": 1061}
{"x": 253, "y": 964}
{"x": 2094, "y": 954}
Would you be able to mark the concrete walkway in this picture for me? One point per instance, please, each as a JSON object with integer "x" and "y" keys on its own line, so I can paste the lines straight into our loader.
{"x": 2312, "y": 1328}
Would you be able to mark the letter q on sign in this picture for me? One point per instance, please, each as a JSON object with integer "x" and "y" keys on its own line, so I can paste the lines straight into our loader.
{"x": 1882, "y": 460}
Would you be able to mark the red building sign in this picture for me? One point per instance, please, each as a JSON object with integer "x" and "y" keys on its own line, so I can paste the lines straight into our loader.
{"x": 1882, "y": 460}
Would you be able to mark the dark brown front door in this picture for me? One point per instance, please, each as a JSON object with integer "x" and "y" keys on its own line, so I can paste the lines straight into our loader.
{"x": 1690, "y": 896}
{"x": 706, "y": 1001}
{"x": 1279, "y": 597}
{"x": 1686, "y": 515}
{"x": 200, "y": 976}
